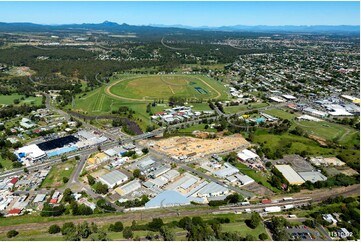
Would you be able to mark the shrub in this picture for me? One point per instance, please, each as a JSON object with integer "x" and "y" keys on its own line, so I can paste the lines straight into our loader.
{"x": 54, "y": 229}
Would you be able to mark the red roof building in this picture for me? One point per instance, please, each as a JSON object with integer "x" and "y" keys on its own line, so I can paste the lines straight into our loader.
{"x": 160, "y": 113}
{"x": 266, "y": 201}
{"x": 292, "y": 106}
{"x": 54, "y": 201}
{"x": 15, "y": 211}
{"x": 14, "y": 180}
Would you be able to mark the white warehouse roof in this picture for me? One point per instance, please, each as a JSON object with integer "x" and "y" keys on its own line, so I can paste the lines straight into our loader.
{"x": 212, "y": 189}
{"x": 113, "y": 178}
{"x": 247, "y": 155}
{"x": 128, "y": 188}
{"x": 291, "y": 175}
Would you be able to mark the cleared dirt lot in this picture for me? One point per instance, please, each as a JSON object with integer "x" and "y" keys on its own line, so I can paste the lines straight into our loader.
{"x": 194, "y": 147}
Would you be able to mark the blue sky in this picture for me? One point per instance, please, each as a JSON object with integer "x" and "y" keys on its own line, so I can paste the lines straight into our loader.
{"x": 185, "y": 13}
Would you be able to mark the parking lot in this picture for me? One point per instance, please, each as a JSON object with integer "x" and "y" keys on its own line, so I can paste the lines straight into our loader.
{"x": 303, "y": 233}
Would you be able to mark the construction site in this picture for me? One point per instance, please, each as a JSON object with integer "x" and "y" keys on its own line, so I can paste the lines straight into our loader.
{"x": 189, "y": 147}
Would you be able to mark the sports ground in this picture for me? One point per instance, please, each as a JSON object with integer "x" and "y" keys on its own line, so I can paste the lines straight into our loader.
{"x": 136, "y": 92}
{"x": 164, "y": 86}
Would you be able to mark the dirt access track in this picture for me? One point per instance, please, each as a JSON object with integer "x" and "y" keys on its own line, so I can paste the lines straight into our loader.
{"x": 108, "y": 92}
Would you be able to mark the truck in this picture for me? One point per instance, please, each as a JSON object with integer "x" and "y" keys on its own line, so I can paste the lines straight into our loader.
{"x": 273, "y": 209}
{"x": 287, "y": 198}
{"x": 289, "y": 206}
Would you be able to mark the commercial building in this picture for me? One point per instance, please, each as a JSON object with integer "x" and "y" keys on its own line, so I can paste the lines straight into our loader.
{"x": 290, "y": 175}
{"x": 312, "y": 176}
{"x": 247, "y": 155}
{"x": 329, "y": 218}
{"x": 212, "y": 189}
{"x": 308, "y": 118}
{"x": 244, "y": 179}
{"x": 98, "y": 158}
{"x": 315, "y": 112}
{"x": 27, "y": 123}
{"x": 160, "y": 171}
{"x": 113, "y": 178}
{"x": 167, "y": 199}
{"x": 128, "y": 188}
{"x": 145, "y": 163}
{"x": 32, "y": 152}
{"x": 227, "y": 171}
{"x": 277, "y": 99}
{"x": 289, "y": 97}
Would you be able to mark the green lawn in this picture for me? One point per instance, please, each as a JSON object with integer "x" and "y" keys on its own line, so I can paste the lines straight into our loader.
{"x": 200, "y": 106}
{"x": 243, "y": 229}
{"x": 55, "y": 177}
{"x": 239, "y": 108}
{"x": 298, "y": 143}
{"x": 155, "y": 86}
{"x": 326, "y": 130}
{"x": 9, "y": 99}
{"x": 280, "y": 114}
{"x": 98, "y": 102}
{"x": 199, "y": 127}
{"x": 7, "y": 164}
{"x": 34, "y": 235}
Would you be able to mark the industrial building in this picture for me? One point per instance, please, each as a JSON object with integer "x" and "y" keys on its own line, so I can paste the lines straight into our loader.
{"x": 128, "y": 188}
{"x": 167, "y": 199}
{"x": 113, "y": 178}
{"x": 289, "y": 97}
{"x": 290, "y": 175}
{"x": 312, "y": 176}
{"x": 247, "y": 155}
{"x": 315, "y": 112}
{"x": 212, "y": 189}
{"x": 98, "y": 158}
{"x": 244, "y": 179}
{"x": 227, "y": 171}
{"x": 32, "y": 152}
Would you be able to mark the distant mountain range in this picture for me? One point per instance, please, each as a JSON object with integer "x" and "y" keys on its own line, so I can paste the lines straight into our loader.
{"x": 268, "y": 28}
{"x": 115, "y": 27}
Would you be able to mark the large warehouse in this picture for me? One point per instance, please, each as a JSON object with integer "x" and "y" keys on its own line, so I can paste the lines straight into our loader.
{"x": 32, "y": 152}
{"x": 167, "y": 199}
{"x": 291, "y": 175}
{"x": 113, "y": 178}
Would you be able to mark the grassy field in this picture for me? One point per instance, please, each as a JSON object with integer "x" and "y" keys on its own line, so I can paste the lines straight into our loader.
{"x": 326, "y": 130}
{"x": 298, "y": 143}
{"x": 201, "y": 106}
{"x": 98, "y": 102}
{"x": 9, "y": 99}
{"x": 237, "y": 224}
{"x": 234, "y": 109}
{"x": 199, "y": 127}
{"x": 280, "y": 114}
{"x": 56, "y": 174}
{"x": 165, "y": 86}
{"x": 243, "y": 229}
{"x": 7, "y": 164}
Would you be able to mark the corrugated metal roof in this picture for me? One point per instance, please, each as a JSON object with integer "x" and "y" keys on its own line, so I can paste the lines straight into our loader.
{"x": 167, "y": 199}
